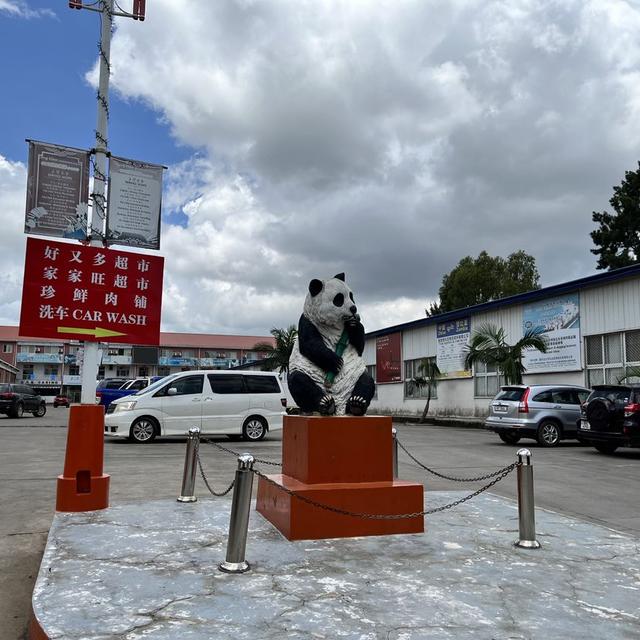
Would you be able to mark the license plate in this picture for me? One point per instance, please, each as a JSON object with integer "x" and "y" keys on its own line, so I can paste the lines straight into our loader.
{"x": 500, "y": 409}
{"x": 584, "y": 425}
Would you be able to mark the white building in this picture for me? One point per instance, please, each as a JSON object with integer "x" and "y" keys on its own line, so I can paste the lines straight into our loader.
{"x": 592, "y": 326}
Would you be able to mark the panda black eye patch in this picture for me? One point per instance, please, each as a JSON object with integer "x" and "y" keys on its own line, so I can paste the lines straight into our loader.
{"x": 338, "y": 301}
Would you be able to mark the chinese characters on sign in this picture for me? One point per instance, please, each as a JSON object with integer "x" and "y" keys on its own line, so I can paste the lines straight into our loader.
{"x": 57, "y": 191}
{"x": 559, "y": 320}
{"x": 389, "y": 358}
{"x": 134, "y": 203}
{"x": 90, "y": 293}
{"x": 451, "y": 339}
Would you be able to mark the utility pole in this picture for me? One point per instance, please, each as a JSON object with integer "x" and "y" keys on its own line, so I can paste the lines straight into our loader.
{"x": 96, "y": 225}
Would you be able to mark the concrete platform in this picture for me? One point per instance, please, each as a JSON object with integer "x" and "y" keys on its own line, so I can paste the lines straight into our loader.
{"x": 150, "y": 571}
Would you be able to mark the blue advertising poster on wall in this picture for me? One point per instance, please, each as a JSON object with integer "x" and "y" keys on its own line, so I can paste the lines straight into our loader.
{"x": 559, "y": 321}
{"x": 451, "y": 339}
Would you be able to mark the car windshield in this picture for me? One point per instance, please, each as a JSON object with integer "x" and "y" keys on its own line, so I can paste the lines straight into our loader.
{"x": 4, "y": 388}
{"x": 156, "y": 385}
{"x": 511, "y": 393}
{"x": 611, "y": 393}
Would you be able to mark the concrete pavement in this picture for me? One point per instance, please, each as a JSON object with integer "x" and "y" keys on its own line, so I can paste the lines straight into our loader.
{"x": 149, "y": 570}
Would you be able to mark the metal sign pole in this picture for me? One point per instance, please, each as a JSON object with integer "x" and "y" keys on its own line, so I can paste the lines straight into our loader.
{"x": 96, "y": 224}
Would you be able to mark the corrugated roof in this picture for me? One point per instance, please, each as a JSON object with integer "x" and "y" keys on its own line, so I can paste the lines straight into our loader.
{"x": 167, "y": 339}
{"x": 565, "y": 287}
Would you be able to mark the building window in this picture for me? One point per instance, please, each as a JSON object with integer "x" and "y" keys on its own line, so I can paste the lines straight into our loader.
{"x": 27, "y": 372}
{"x": 51, "y": 369}
{"x": 611, "y": 357}
{"x": 486, "y": 380}
{"x": 101, "y": 372}
{"x": 7, "y": 348}
{"x": 371, "y": 370}
{"x": 122, "y": 372}
{"x": 411, "y": 372}
{"x": 143, "y": 372}
{"x": 164, "y": 371}
{"x": 74, "y": 370}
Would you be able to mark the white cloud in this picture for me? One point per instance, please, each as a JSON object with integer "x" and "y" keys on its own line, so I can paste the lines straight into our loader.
{"x": 383, "y": 139}
{"x": 20, "y": 9}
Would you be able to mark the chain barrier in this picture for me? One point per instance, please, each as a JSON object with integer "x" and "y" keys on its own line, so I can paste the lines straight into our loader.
{"x": 236, "y": 454}
{"x": 372, "y": 516}
{"x": 452, "y": 478}
{"x": 206, "y": 482}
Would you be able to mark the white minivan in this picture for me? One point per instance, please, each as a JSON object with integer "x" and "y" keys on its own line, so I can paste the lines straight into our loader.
{"x": 235, "y": 403}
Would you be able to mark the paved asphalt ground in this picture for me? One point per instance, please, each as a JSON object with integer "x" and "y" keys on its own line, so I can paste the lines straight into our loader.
{"x": 570, "y": 479}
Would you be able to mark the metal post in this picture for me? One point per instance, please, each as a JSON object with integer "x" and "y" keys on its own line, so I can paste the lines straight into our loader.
{"x": 190, "y": 467}
{"x": 394, "y": 433}
{"x": 239, "y": 522}
{"x": 526, "y": 503}
{"x": 91, "y": 349}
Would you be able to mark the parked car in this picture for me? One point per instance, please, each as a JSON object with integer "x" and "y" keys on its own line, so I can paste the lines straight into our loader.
{"x": 239, "y": 403}
{"x": 611, "y": 417}
{"x": 546, "y": 413}
{"x": 60, "y": 401}
{"x": 15, "y": 399}
{"x": 106, "y": 395}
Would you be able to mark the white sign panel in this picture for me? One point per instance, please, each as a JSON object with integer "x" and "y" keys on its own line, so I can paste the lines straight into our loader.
{"x": 452, "y": 337}
{"x": 559, "y": 320}
{"x": 134, "y": 203}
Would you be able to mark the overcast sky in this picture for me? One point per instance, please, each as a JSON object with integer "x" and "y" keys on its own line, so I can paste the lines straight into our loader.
{"x": 385, "y": 139}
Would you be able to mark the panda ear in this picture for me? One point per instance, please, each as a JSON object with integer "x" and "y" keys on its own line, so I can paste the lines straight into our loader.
{"x": 315, "y": 287}
{"x": 339, "y": 276}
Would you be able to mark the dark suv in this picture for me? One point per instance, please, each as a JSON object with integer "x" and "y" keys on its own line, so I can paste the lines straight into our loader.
{"x": 611, "y": 417}
{"x": 15, "y": 399}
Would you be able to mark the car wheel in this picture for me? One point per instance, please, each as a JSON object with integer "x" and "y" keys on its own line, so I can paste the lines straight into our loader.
{"x": 548, "y": 433}
{"x": 40, "y": 411}
{"x": 605, "y": 447}
{"x": 18, "y": 411}
{"x": 143, "y": 430}
{"x": 254, "y": 429}
{"x": 509, "y": 438}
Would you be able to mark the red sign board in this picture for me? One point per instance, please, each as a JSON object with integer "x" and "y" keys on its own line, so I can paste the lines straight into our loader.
{"x": 389, "y": 358}
{"x": 73, "y": 291}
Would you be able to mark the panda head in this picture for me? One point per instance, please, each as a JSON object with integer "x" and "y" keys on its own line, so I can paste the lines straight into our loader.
{"x": 330, "y": 302}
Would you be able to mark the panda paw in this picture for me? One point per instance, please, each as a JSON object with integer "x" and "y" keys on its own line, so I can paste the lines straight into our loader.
{"x": 356, "y": 406}
{"x": 327, "y": 406}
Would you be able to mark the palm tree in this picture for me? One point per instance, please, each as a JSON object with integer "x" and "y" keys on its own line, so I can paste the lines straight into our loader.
{"x": 488, "y": 344}
{"x": 429, "y": 378}
{"x": 278, "y": 355}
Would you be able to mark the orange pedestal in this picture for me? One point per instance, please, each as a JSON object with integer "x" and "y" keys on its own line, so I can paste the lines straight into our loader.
{"x": 83, "y": 486}
{"x": 343, "y": 462}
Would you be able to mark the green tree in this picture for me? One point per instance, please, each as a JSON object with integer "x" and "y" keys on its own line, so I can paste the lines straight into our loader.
{"x": 278, "y": 354}
{"x": 488, "y": 344}
{"x": 485, "y": 278}
{"x": 429, "y": 379}
{"x": 618, "y": 237}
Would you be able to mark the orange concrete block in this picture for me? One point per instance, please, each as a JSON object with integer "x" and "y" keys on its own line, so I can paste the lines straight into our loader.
{"x": 318, "y": 449}
{"x": 298, "y": 520}
{"x": 83, "y": 486}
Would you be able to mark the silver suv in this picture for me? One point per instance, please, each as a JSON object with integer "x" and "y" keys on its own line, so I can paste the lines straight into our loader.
{"x": 548, "y": 413}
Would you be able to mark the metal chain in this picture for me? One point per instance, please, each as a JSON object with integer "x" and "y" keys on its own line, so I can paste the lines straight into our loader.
{"x": 371, "y": 516}
{"x": 206, "y": 482}
{"x": 236, "y": 454}
{"x": 441, "y": 475}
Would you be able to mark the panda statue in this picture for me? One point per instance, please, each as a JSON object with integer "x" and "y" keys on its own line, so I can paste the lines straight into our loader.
{"x": 319, "y": 379}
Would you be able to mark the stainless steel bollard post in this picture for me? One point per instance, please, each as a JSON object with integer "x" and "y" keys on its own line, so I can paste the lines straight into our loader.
{"x": 190, "y": 466}
{"x": 394, "y": 433}
{"x": 239, "y": 522}
{"x": 526, "y": 503}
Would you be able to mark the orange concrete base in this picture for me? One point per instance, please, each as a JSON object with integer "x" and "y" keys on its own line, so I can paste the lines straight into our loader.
{"x": 344, "y": 462}
{"x": 297, "y": 520}
{"x": 83, "y": 486}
